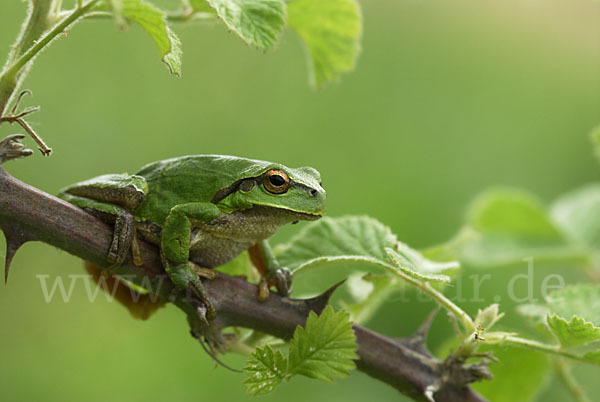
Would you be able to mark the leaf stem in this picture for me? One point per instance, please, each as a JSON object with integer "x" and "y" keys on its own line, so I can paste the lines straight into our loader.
{"x": 42, "y": 14}
{"x": 453, "y": 308}
{"x": 37, "y": 21}
{"x": 535, "y": 345}
{"x": 442, "y": 300}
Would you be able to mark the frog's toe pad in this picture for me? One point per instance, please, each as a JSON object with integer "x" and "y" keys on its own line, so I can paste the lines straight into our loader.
{"x": 282, "y": 280}
{"x": 207, "y": 273}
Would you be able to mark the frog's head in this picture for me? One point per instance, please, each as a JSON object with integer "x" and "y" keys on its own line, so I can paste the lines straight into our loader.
{"x": 277, "y": 186}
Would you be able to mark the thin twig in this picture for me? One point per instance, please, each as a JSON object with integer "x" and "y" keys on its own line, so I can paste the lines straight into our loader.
{"x": 171, "y": 17}
{"x": 16, "y": 105}
{"x": 18, "y": 118}
{"x": 43, "y": 147}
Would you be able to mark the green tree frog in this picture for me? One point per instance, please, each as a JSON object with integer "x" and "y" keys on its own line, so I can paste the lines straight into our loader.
{"x": 209, "y": 208}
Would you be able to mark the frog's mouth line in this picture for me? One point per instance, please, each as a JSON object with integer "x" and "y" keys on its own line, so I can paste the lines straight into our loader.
{"x": 302, "y": 216}
{"x": 295, "y": 216}
{"x": 307, "y": 217}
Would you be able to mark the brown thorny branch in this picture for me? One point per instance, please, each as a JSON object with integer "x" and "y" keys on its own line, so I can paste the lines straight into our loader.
{"x": 28, "y": 214}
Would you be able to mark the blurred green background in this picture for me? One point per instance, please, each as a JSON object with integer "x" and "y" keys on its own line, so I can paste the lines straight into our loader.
{"x": 448, "y": 98}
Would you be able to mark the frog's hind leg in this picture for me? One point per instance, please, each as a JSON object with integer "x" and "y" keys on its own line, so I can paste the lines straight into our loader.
{"x": 271, "y": 273}
{"x": 113, "y": 198}
{"x": 124, "y": 233}
{"x": 123, "y": 240}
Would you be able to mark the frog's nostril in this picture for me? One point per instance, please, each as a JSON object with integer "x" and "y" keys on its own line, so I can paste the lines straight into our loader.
{"x": 313, "y": 192}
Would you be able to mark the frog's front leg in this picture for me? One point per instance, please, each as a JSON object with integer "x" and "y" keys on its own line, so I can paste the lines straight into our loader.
{"x": 175, "y": 248}
{"x": 271, "y": 273}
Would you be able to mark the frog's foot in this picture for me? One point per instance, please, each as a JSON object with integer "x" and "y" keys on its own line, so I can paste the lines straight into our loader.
{"x": 198, "y": 290}
{"x": 185, "y": 276}
{"x": 124, "y": 239}
{"x": 280, "y": 278}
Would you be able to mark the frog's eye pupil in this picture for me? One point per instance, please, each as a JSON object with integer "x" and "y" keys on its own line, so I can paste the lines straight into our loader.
{"x": 277, "y": 180}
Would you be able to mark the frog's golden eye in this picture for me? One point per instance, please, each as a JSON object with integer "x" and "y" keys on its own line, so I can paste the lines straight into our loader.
{"x": 276, "y": 181}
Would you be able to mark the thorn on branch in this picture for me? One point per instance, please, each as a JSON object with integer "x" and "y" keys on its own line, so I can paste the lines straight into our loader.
{"x": 11, "y": 148}
{"x": 418, "y": 340}
{"x": 15, "y": 238}
{"x": 424, "y": 328}
{"x": 318, "y": 303}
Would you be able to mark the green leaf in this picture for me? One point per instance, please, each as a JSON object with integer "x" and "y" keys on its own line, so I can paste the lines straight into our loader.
{"x": 116, "y": 7}
{"x": 487, "y": 317}
{"x": 578, "y": 214}
{"x": 581, "y": 300}
{"x": 513, "y": 213}
{"x": 241, "y": 266}
{"x": 347, "y": 236}
{"x": 325, "y": 348}
{"x": 331, "y": 249}
{"x": 152, "y": 20}
{"x": 537, "y": 317}
{"x": 257, "y": 22}
{"x": 331, "y": 31}
{"x": 571, "y": 314}
{"x": 513, "y": 225}
{"x": 576, "y": 332}
{"x": 265, "y": 369}
{"x": 592, "y": 357}
{"x": 519, "y": 375}
{"x": 369, "y": 291}
{"x": 200, "y": 6}
{"x": 412, "y": 263}
{"x": 535, "y": 311}
{"x": 449, "y": 251}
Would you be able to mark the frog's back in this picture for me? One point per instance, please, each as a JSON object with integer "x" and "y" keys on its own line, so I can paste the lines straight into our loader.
{"x": 194, "y": 178}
